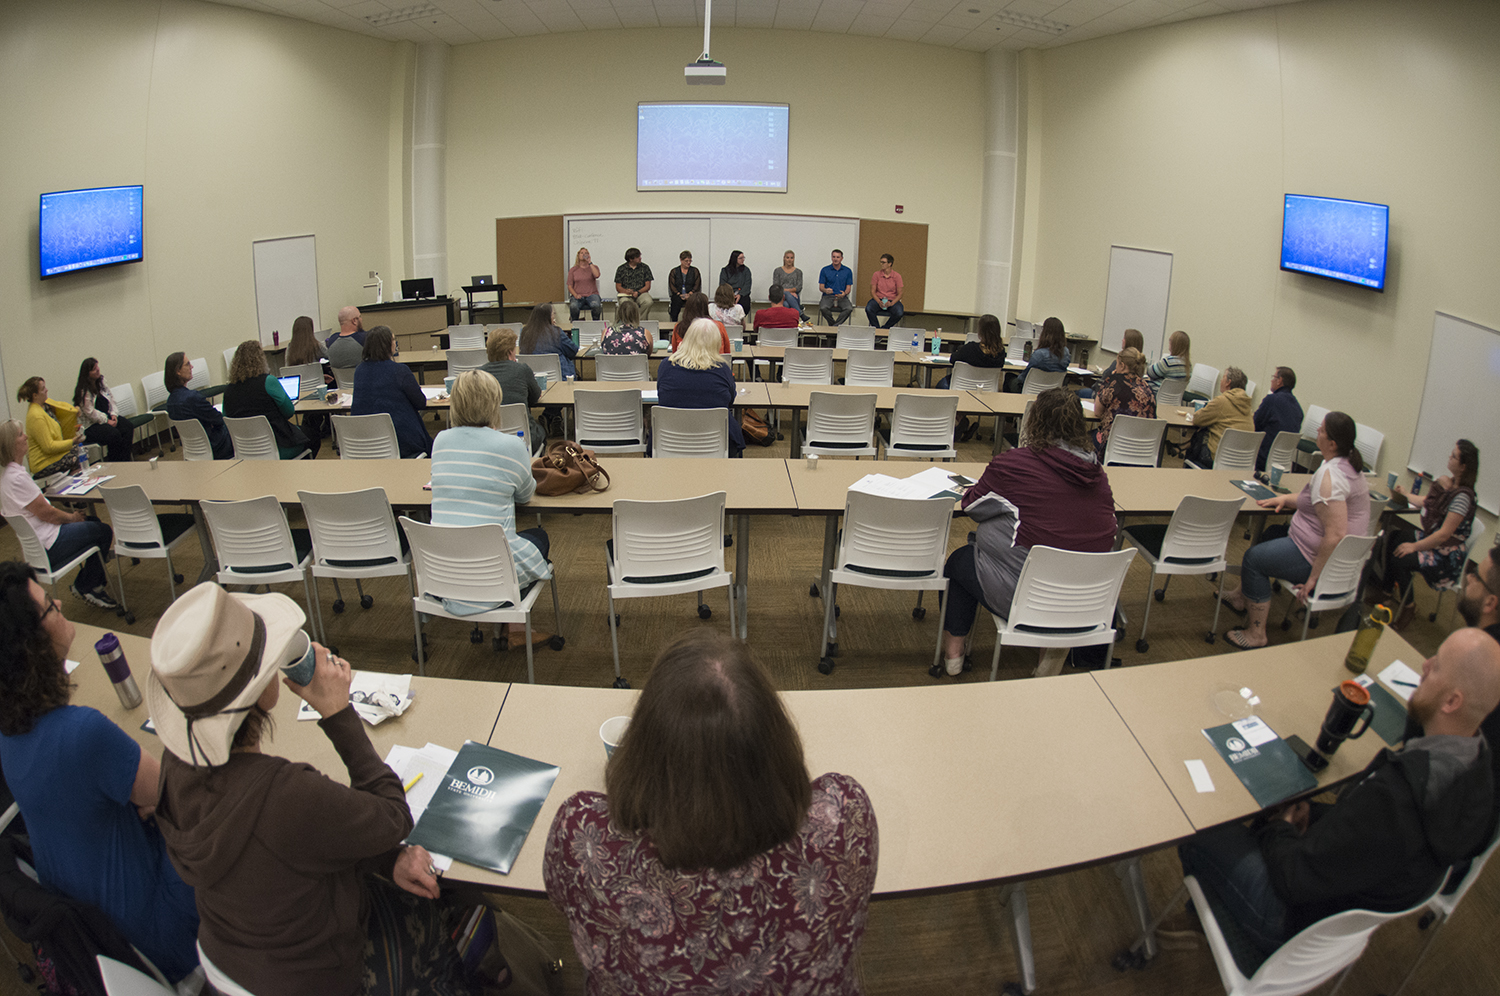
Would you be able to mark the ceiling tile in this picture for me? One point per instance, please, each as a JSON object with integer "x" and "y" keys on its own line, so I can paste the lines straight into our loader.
{"x": 908, "y": 29}
{"x": 942, "y": 34}
{"x": 873, "y": 26}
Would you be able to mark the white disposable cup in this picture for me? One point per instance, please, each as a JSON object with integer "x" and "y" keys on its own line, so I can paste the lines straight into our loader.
{"x": 611, "y": 732}
{"x": 812, "y": 461}
{"x": 1391, "y": 479}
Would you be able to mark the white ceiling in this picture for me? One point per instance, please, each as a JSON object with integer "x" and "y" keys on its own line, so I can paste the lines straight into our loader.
{"x": 976, "y": 25}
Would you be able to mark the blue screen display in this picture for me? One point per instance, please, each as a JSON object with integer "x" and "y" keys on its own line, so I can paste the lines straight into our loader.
{"x": 81, "y": 229}
{"x": 1337, "y": 239}
{"x": 712, "y": 147}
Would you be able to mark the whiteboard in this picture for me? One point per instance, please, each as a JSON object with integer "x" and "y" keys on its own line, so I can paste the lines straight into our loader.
{"x": 1140, "y": 283}
{"x": 710, "y": 238}
{"x": 286, "y": 284}
{"x": 1461, "y": 400}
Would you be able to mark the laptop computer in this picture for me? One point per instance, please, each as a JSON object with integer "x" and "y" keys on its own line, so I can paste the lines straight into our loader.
{"x": 484, "y": 280}
{"x": 291, "y": 385}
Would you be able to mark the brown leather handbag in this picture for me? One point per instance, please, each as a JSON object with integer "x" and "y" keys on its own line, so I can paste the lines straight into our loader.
{"x": 568, "y": 469}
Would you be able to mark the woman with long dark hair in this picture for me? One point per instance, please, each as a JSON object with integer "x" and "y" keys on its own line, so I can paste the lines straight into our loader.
{"x": 184, "y": 403}
{"x": 97, "y": 413}
{"x": 737, "y": 275}
{"x": 302, "y": 350}
{"x": 253, "y": 391}
{"x": 1436, "y": 549}
{"x": 694, "y": 308}
{"x": 383, "y": 385}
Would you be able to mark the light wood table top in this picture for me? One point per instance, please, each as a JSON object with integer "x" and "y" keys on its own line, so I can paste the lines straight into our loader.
{"x": 403, "y": 480}
{"x": 1159, "y": 490}
{"x": 749, "y": 395}
{"x": 1168, "y": 705}
{"x": 1035, "y": 795}
{"x": 798, "y": 396}
{"x": 824, "y": 491}
{"x": 751, "y": 487}
{"x": 172, "y": 482}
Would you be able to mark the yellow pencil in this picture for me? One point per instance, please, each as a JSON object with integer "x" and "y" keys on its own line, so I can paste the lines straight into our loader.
{"x": 407, "y": 787}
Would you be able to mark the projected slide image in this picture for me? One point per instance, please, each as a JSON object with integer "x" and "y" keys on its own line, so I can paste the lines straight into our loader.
{"x": 711, "y": 146}
{"x": 1344, "y": 240}
{"x": 84, "y": 228}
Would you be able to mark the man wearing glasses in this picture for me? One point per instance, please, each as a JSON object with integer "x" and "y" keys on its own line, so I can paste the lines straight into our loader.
{"x": 1479, "y": 595}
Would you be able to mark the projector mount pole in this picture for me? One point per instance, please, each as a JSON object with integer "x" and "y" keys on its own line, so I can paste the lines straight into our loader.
{"x": 708, "y": 18}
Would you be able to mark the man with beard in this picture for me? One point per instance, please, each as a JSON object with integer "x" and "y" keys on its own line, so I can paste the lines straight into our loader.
{"x": 1391, "y": 836}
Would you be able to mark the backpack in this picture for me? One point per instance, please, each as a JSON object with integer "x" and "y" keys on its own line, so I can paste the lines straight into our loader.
{"x": 755, "y": 429}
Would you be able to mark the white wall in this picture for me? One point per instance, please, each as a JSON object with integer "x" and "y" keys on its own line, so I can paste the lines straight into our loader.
{"x": 1184, "y": 138}
{"x": 240, "y": 125}
{"x": 546, "y": 125}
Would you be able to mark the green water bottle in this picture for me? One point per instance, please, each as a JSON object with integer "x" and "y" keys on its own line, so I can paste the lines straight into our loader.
{"x": 1365, "y": 638}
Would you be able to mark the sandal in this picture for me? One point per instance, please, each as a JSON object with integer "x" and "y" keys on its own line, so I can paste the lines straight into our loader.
{"x": 1239, "y": 612}
{"x": 1235, "y": 641}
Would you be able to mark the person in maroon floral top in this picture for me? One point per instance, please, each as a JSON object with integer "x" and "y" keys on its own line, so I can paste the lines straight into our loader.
{"x": 712, "y": 863}
{"x": 626, "y": 337}
{"x": 1122, "y": 391}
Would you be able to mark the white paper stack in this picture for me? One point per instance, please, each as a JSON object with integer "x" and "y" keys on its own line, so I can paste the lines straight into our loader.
{"x": 926, "y": 484}
{"x": 375, "y": 696}
{"x": 432, "y": 763}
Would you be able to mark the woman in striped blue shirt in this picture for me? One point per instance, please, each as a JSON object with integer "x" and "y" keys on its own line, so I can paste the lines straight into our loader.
{"x": 478, "y": 475}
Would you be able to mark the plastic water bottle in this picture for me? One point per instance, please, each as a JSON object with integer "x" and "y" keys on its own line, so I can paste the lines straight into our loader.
{"x": 82, "y": 453}
{"x": 916, "y": 340}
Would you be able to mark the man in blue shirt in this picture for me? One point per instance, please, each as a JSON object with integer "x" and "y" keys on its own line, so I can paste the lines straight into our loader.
{"x": 835, "y": 281}
{"x": 1279, "y": 411}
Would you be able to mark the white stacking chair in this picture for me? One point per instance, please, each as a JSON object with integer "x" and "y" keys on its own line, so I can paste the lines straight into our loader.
{"x": 472, "y": 564}
{"x": 1042, "y": 380}
{"x": 344, "y": 377}
{"x": 653, "y": 331}
{"x": 255, "y": 545}
{"x": 254, "y": 440}
{"x": 868, "y": 367}
{"x": 461, "y": 361}
{"x": 514, "y": 419}
{"x": 219, "y": 980}
{"x": 1442, "y": 904}
{"x": 195, "y": 444}
{"x": 1193, "y": 542}
{"x": 777, "y": 337}
{"x": 1170, "y": 391}
{"x": 1204, "y": 380}
{"x": 36, "y": 556}
{"x": 689, "y": 432}
{"x": 1327, "y": 948}
{"x": 153, "y": 422}
{"x": 610, "y": 421}
{"x": 1015, "y": 350}
{"x": 807, "y": 365}
{"x": 513, "y": 326}
{"x": 1338, "y": 584}
{"x": 1134, "y": 442}
{"x": 635, "y": 367}
{"x": 589, "y": 332}
{"x": 544, "y": 363}
{"x": 855, "y": 337}
{"x": 897, "y": 544}
{"x": 154, "y": 386}
{"x": 1369, "y": 442}
{"x": 141, "y": 532}
{"x": 353, "y": 536}
{"x": 228, "y": 358}
{"x": 967, "y": 377}
{"x": 922, "y": 427}
{"x": 465, "y": 337}
{"x": 1283, "y": 451}
{"x": 1312, "y": 419}
{"x": 121, "y": 980}
{"x": 840, "y": 424}
{"x": 200, "y": 379}
{"x": 366, "y": 437}
{"x": 1063, "y": 599}
{"x": 666, "y": 548}
{"x": 311, "y": 374}
{"x": 1237, "y": 452}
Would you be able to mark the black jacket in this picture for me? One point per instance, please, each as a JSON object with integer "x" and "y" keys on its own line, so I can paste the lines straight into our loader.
{"x": 1390, "y": 838}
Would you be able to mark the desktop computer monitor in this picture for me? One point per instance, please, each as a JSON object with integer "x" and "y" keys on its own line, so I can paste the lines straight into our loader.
{"x": 420, "y": 287}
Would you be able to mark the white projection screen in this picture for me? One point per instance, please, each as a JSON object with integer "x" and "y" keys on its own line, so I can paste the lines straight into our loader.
{"x": 711, "y": 146}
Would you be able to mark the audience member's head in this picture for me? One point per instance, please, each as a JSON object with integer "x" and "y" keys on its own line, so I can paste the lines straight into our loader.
{"x": 1131, "y": 361}
{"x": 1234, "y": 377}
{"x": 1133, "y": 337}
{"x": 990, "y": 336}
{"x": 501, "y": 345}
{"x": 627, "y": 313}
{"x": 724, "y": 296}
{"x": 736, "y": 261}
{"x": 1053, "y": 338}
{"x": 174, "y": 371}
{"x": 538, "y": 328}
{"x": 12, "y": 442}
{"x": 711, "y": 766}
{"x": 34, "y": 642}
{"x": 694, "y": 307}
{"x": 304, "y": 346}
{"x": 699, "y": 348}
{"x": 89, "y": 379}
{"x": 1460, "y": 685}
{"x": 379, "y": 345}
{"x": 1179, "y": 345}
{"x": 32, "y": 389}
{"x": 1055, "y": 419}
{"x": 1468, "y": 464}
{"x": 1340, "y": 430}
{"x": 249, "y": 362}
{"x": 1287, "y": 378}
{"x": 632, "y": 254}
{"x": 348, "y": 318}
{"x": 776, "y": 294}
{"x": 476, "y": 400}
{"x": 1478, "y": 592}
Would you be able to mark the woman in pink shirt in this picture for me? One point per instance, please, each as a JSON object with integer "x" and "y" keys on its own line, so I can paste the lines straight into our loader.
{"x": 583, "y": 287}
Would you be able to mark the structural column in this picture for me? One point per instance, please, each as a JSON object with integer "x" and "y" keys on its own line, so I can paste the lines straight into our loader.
{"x": 429, "y": 166}
{"x": 998, "y": 204}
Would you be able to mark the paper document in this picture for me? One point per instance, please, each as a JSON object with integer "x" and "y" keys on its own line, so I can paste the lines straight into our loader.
{"x": 930, "y": 483}
{"x": 648, "y": 397}
{"x": 434, "y": 393}
{"x": 432, "y": 763}
{"x": 70, "y": 666}
{"x": 1400, "y": 679}
{"x": 1088, "y": 406}
{"x": 82, "y": 485}
{"x": 1202, "y": 781}
{"x": 375, "y": 696}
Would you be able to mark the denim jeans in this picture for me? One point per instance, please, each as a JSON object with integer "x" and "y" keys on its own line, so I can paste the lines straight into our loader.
{"x": 1277, "y": 558}
{"x": 592, "y": 302}
{"x": 75, "y": 537}
{"x": 1227, "y": 862}
{"x": 873, "y": 311}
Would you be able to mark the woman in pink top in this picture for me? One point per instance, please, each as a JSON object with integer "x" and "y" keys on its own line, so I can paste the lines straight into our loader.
{"x": 1334, "y": 505}
{"x": 583, "y": 287}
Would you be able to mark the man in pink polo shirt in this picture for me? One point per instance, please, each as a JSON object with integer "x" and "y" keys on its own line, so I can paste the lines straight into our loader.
{"x": 885, "y": 294}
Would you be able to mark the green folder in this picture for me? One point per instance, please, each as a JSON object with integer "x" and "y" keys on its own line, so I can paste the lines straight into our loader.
{"x": 1270, "y": 771}
{"x": 485, "y": 807}
{"x": 1390, "y": 714}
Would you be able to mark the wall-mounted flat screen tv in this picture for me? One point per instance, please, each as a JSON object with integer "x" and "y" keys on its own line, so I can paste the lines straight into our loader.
{"x": 86, "y": 229}
{"x": 1337, "y": 239}
{"x": 711, "y": 146}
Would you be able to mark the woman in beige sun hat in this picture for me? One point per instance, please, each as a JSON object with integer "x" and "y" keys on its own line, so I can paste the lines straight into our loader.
{"x": 302, "y": 884}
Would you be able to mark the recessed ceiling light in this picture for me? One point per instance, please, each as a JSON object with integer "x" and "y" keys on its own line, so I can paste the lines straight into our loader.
{"x": 1034, "y": 23}
{"x": 403, "y": 14}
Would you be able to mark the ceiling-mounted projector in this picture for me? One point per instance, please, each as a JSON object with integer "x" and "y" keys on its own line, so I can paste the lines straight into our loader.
{"x": 705, "y": 72}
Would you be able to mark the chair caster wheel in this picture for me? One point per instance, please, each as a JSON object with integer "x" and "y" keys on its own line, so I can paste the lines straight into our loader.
{"x": 1128, "y": 960}
{"x": 704, "y": 612}
{"x": 365, "y": 601}
{"x": 177, "y": 578}
{"x": 1286, "y": 624}
{"x": 1161, "y": 594}
{"x": 779, "y": 435}
{"x": 936, "y": 671}
{"x": 812, "y": 590}
{"x": 919, "y": 613}
{"x": 129, "y": 618}
{"x": 338, "y": 606}
{"x": 1276, "y": 587}
{"x": 136, "y": 562}
{"x": 728, "y": 540}
{"x": 617, "y": 620}
{"x": 1209, "y": 638}
{"x": 557, "y": 643}
{"x": 1141, "y": 646}
{"x": 1012, "y": 989}
{"x": 476, "y": 636}
{"x": 825, "y": 666}
{"x": 1432, "y": 617}
{"x": 620, "y": 683}
{"x": 1313, "y": 623}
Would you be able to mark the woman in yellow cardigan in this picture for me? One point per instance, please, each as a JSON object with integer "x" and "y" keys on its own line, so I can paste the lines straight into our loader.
{"x": 48, "y": 450}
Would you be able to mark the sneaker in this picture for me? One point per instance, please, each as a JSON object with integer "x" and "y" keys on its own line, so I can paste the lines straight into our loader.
{"x": 98, "y": 598}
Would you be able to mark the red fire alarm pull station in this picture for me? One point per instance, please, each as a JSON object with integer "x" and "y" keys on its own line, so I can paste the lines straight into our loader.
{"x": 899, "y": 208}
